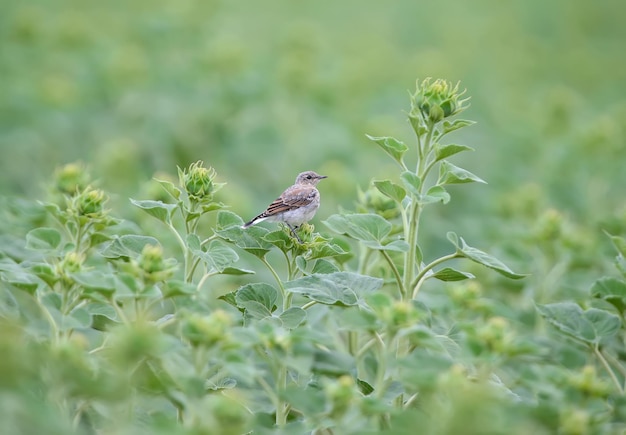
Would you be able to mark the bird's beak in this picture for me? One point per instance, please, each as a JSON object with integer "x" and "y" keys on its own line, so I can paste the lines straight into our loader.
{"x": 323, "y": 176}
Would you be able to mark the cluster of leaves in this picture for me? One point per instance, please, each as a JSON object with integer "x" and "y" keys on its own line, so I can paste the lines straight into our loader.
{"x": 105, "y": 333}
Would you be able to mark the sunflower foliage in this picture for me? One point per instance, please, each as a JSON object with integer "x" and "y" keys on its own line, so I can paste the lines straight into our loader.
{"x": 359, "y": 328}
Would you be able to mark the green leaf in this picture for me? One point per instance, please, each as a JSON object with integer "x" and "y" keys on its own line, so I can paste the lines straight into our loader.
{"x": 365, "y": 388}
{"x": 449, "y": 274}
{"x": 101, "y": 309}
{"x": 12, "y": 273}
{"x": 229, "y": 227}
{"x": 324, "y": 266}
{"x": 229, "y": 298}
{"x": 391, "y": 146}
{"x": 481, "y": 257}
{"x": 280, "y": 239}
{"x": 170, "y": 188}
{"x": 435, "y": 194}
{"x": 129, "y": 245}
{"x": 98, "y": 238}
{"x": 332, "y": 363}
{"x": 190, "y": 216}
{"x": 43, "y": 239}
{"x": 612, "y": 290}
{"x": 590, "y": 326}
{"x": 325, "y": 250}
{"x": 206, "y": 208}
{"x": 431, "y": 366}
{"x": 451, "y": 174}
{"x": 620, "y": 246}
{"x": 379, "y": 302}
{"x": 391, "y": 190}
{"x": 412, "y": 182}
{"x": 444, "y": 151}
{"x": 193, "y": 242}
{"x": 371, "y": 229}
{"x": 45, "y": 272}
{"x": 339, "y": 288}
{"x": 309, "y": 401}
{"x": 228, "y": 219}
{"x": 455, "y": 125}
{"x": 158, "y": 209}
{"x": 293, "y": 317}
{"x": 258, "y": 299}
{"x": 217, "y": 256}
{"x": 257, "y": 310}
{"x": 222, "y": 384}
{"x": 301, "y": 264}
{"x": 237, "y": 271}
{"x": 418, "y": 125}
{"x": 395, "y": 245}
{"x": 175, "y": 287}
{"x": 78, "y": 318}
{"x": 358, "y": 319}
{"x": 96, "y": 280}
{"x": 609, "y": 286}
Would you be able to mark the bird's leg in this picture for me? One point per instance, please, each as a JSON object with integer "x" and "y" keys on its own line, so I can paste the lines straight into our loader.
{"x": 293, "y": 231}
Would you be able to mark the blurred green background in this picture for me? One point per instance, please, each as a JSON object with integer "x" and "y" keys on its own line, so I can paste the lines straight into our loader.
{"x": 264, "y": 90}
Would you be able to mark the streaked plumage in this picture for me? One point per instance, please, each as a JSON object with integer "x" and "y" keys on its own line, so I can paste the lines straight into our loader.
{"x": 296, "y": 205}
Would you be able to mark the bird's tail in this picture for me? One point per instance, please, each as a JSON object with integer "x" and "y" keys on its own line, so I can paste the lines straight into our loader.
{"x": 255, "y": 220}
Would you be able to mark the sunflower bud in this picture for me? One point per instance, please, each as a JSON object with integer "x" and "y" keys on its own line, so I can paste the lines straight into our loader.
{"x": 198, "y": 181}
{"x": 400, "y": 314}
{"x": 496, "y": 335}
{"x": 224, "y": 415}
{"x": 341, "y": 394}
{"x": 435, "y": 114}
{"x": 71, "y": 263}
{"x": 207, "y": 330}
{"x": 90, "y": 203}
{"x": 574, "y": 422}
{"x": 71, "y": 179}
{"x": 589, "y": 383}
{"x": 153, "y": 266}
{"x": 549, "y": 227}
{"x": 435, "y": 101}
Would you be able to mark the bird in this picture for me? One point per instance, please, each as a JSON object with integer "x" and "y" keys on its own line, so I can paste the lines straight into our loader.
{"x": 295, "y": 206}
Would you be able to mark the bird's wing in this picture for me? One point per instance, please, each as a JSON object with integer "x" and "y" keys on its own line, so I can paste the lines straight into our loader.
{"x": 292, "y": 198}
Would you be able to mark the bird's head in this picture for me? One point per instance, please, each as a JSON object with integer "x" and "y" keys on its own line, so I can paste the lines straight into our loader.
{"x": 309, "y": 177}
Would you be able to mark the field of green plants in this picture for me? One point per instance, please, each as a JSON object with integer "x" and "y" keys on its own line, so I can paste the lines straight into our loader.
{"x": 465, "y": 273}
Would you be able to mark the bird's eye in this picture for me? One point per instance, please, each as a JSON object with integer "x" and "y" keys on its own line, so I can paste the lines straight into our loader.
{"x": 308, "y": 177}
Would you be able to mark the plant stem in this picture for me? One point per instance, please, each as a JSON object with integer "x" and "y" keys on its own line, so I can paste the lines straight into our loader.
{"x": 268, "y": 390}
{"x": 422, "y": 276}
{"x": 203, "y": 280}
{"x": 415, "y": 211}
{"x": 353, "y": 343}
{"x": 608, "y": 368}
{"x": 411, "y": 237}
{"x": 281, "y": 386}
{"x": 286, "y": 300}
{"x": 54, "y": 329}
{"x": 396, "y": 274}
{"x": 308, "y": 305}
{"x": 366, "y": 347}
{"x": 192, "y": 270}
{"x": 364, "y": 259}
{"x": 208, "y": 239}
{"x": 617, "y": 364}
{"x": 381, "y": 371}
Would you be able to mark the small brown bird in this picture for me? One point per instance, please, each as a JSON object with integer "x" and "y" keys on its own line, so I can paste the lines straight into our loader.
{"x": 296, "y": 205}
